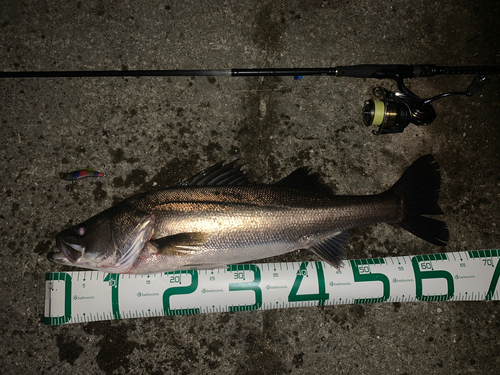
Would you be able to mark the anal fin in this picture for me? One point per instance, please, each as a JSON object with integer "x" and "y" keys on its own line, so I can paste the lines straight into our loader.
{"x": 180, "y": 244}
{"x": 332, "y": 249}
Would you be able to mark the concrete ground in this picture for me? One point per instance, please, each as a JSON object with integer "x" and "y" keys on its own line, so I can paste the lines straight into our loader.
{"x": 162, "y": 130}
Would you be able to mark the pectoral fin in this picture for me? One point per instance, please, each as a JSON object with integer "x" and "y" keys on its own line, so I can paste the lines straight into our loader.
{"x": 180, "y": 244}
{"x": 332, "y": 250}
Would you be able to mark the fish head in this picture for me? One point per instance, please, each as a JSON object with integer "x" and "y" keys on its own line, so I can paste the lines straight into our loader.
{"x": 109, "y": 241}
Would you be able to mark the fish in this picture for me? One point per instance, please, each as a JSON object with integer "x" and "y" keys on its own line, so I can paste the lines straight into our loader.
{"x": 82, "y": 173}
{"x": 218, "y": 217}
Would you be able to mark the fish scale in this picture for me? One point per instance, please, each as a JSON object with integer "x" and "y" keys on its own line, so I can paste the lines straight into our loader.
{"x": 243, "y": 231}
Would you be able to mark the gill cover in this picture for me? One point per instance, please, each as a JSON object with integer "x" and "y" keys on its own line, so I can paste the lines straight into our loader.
{"x": 109, "y": 241}
{"x": 131, "y": 229}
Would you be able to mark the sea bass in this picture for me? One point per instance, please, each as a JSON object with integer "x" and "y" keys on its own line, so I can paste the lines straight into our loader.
{"x": 218, "y": 217}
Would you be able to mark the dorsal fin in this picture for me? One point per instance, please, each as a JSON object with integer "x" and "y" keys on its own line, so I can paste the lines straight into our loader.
{"x": 302, "y": 179}
{"x": 219, "y": 175}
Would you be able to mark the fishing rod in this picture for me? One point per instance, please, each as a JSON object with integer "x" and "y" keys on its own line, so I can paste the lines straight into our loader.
{"x": 391, "y": 111}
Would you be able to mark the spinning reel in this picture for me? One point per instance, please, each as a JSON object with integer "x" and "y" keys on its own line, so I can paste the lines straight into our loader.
{"x": 393, "y": 111}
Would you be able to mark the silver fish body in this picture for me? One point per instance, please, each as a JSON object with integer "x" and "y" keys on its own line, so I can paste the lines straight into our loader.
{"x": 217, "y": 218}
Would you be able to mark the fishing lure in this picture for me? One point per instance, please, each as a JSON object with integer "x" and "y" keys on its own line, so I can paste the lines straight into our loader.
{"x": 82, "y": 173}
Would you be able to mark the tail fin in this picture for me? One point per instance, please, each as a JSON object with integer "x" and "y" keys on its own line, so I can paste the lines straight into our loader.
{"x": 419, "y": 187}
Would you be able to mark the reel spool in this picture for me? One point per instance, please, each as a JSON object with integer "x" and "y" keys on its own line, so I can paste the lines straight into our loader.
{"x": 388, "y": 115}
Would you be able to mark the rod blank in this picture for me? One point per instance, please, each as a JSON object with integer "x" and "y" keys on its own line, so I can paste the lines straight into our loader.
{"x": 357, "y": 71}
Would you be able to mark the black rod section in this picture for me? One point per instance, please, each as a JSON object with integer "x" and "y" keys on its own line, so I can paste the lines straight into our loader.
{"x": 114, "y": 73}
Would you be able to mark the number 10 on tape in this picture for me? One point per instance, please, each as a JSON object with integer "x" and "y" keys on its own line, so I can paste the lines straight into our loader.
{"x": 74, "y": 297}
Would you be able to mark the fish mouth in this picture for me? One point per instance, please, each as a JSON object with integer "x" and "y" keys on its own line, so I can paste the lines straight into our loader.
{"x": 68, "y": 251}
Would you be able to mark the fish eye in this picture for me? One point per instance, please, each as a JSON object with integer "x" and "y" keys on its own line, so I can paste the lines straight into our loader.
{"x": 80, "y": 231}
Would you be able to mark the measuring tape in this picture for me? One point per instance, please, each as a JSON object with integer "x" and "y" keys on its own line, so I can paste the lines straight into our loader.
{"x": 86, "y": 296}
